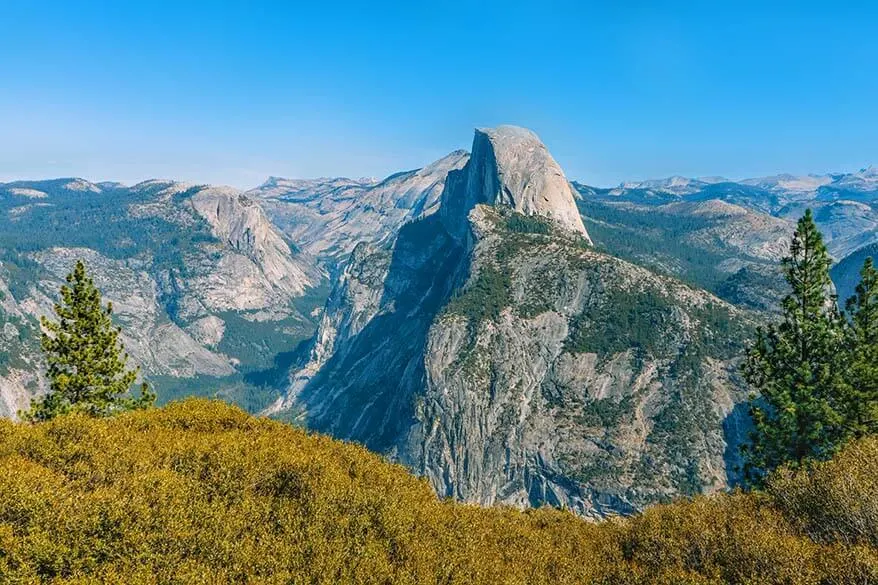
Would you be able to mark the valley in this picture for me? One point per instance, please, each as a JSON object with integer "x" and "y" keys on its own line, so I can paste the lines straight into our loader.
{"x": 511, "y": 336}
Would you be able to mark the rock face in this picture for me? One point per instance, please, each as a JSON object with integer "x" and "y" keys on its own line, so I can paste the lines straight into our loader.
{"x": 329, "y": 217}
{"x": 240, "y": 223}
{"x": 207, "y": 291}
{"x": 509, "y": 362}
{"x": 510, "y": 166}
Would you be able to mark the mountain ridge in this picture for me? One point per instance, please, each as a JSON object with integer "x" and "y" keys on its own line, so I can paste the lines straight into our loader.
{"x": 510, "y": 335}
{"x": 482, "y": 355}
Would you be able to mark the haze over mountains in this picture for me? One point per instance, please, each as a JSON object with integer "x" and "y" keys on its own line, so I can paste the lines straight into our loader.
{"x": 512, "y": 336}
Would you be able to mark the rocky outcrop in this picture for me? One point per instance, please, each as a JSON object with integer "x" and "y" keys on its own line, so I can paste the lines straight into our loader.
{"x": 509, "y": 362}
{"x": 509, "y": 166}
{"x": 208, "y": 331}
{"x": 329, "y": 217}
{"x": 242, "y": 225}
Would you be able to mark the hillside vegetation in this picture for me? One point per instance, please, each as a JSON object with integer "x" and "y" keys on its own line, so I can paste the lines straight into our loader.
{"x": 200, "y": 492}
{"x": 212, "y": 298}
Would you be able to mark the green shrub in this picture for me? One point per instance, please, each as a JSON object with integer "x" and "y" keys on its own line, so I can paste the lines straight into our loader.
{"x": 527, "y": 224}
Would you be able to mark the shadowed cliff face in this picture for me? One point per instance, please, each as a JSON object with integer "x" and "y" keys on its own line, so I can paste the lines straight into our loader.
{"x": 366, "y": 389}
{"x": 492, "y": 350}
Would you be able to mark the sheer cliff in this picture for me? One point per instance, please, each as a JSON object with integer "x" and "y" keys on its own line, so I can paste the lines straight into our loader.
{"x": 492, "y": 349}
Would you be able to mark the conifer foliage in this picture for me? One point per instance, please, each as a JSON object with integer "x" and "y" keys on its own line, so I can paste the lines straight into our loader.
{"x": 861, "y": 412}
{"x": 86, "y": 361}
{"x": 798, "y": 366}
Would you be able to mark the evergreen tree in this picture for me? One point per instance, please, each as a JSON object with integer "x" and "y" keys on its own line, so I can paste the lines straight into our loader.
{"x": 86, "y": 361}
{"x": 797, "y": 366}
{"x": 861, "y": 405}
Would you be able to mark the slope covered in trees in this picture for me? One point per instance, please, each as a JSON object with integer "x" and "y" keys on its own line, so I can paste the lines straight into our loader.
{"x": 200, "y": 492}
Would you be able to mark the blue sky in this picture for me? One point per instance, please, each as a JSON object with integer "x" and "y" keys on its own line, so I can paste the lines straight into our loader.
{"x": 231, "y": 92}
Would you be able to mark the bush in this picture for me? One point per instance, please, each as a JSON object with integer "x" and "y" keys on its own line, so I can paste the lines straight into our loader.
{"x": 200, "y": 492}
{"x": 834, "y": 501}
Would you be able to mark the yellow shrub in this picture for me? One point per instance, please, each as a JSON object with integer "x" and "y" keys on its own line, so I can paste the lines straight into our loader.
{"x": 835, "y": 500}
{"x": 200, "y": 492}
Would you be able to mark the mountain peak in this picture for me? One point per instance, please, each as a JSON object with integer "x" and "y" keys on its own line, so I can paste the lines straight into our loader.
{"x": 511, "y": 166}
{"x": 451, "y": 161}
{"x": 674, "y": 185}
{"x": 509, "y": 132}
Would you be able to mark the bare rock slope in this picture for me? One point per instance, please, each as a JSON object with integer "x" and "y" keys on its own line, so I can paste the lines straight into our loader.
{"x": 495, "y": 351}
{"x": 207, "y": 291}
{"x": 329, "y": 217}
{"x": 510, "y": 166}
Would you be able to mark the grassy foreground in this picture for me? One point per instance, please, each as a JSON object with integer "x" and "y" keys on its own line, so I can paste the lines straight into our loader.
{"x": 200, "y": 492}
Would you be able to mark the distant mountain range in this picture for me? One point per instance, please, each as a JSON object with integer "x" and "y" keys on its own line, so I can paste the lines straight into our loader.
{"x": 790, "y": 187}
{"x": 509, "y": 335}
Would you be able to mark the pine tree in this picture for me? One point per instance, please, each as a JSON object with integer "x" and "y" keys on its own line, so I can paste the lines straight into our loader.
{"x": 861, "y": 405}
{"x": 797, "y": 366}
{"x": 86, "y": 361}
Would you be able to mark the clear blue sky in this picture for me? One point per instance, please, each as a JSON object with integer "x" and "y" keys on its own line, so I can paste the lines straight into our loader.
{"x": 233, "y": 92}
